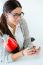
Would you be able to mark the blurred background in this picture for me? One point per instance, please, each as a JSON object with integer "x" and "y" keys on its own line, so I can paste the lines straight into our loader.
{"x": 33, "y": 10}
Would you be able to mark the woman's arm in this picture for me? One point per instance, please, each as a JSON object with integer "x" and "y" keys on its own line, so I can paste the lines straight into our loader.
{"x": 25, "y": 52}
{"x": 17, "y": 55}
{"x": 25, "y": 31}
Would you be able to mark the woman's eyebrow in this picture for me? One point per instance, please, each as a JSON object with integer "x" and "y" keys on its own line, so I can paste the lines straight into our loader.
{"x": 16, "y": 13}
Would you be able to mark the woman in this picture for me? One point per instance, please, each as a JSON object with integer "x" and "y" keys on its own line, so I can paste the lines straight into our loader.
{"x": 16, "y": 28}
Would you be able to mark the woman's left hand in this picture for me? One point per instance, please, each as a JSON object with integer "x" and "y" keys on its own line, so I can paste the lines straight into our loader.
{"x": 34, "y": 50}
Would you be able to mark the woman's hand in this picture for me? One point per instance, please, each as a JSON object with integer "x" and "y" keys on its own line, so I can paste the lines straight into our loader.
{"x": 25, "y": 52}
{"x": 31, "y": 51}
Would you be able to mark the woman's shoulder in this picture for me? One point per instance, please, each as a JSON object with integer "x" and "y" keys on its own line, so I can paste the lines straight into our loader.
{"x": 23, "y": 24}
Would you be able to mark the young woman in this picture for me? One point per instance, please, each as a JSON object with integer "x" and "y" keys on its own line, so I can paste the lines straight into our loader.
{"x": 16, "y": 27}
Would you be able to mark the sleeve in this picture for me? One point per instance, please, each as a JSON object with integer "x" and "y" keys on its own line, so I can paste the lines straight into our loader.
{"x": 8, "y": 57}
{"x": 1, "y": 50}
{"x": 27, "y": 39}
{"x": 4, "y": 55}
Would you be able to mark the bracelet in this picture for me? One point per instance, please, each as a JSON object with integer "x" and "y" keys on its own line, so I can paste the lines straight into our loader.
{"x": 22, "y": 53}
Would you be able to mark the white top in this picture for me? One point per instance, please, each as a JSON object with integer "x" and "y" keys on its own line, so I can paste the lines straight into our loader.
{"x": 18, "y": 35}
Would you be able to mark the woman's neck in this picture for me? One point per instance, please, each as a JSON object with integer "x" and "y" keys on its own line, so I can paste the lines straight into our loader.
{"x": 12, "y": 29}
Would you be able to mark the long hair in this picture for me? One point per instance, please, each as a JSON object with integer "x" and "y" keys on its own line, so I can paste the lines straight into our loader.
{"x": 4, "y": 28}
{"x": 8, "y": 7}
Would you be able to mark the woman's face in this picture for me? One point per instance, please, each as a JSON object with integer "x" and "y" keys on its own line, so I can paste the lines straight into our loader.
{"x": 13, "y": 18}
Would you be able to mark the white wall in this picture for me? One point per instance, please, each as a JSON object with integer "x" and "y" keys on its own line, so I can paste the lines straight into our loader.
{"x": 33, "y": 10}
{"x": 34, "y": 15}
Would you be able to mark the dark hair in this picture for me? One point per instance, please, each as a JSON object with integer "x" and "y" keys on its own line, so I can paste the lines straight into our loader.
{"x": 2, "y": 28}
{"x": 5, "y": 30}
{"x": 8, "y": 7}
